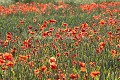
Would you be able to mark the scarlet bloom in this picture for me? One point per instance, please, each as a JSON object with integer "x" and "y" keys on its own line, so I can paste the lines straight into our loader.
{"x": 10, "y": 64}
{"x": 34, "y": 20}
{"x": 52, "y": 21}
{"x": 74, "y": 62}
{"x": 53, "y": 66}
{"x": 66, "y": 53}
{"x": 118, "y": 59}
{"x": 22, "y": 22}
{"x": 31, "y": 64}
{"x": 9, "y": 36}
{"x": 62, "y": 76}
{"x": 2, "y": 62}
{"x": 4, "y": 67}
{"x": 36, "y": 71}
{"x": 45, "y": 33}
{"x": 94, "y": 73}
{"x": 7, "y": 56}
{"x": 29, "y": 27}
{"x": 114, "y": 53}
{"x": 65, "y": 24}
{"x": 93, "y": 64}
{"x": 85, "y": 25}
{"x": 22, "y": 58}
{"x": 43, "y": 68}
{"x": 102, "y": 22}
{"x": 82, "y": 64}
{"x": 58, "y": 54}
{"x": 83, "y": 69}
{"x": 52, "y": 59}
{"x": 51, "y": 29}
{"x": 102, "y": 44}
{"x": 13, "y": 50}
{"x": 73, "y": 76}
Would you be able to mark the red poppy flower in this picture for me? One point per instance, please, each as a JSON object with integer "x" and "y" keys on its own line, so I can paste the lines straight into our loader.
{"x": 36, "y": 71}
{"x": 102, "y": 22}
{"x": 7, "y": 56}
{"x": 52, "y": 59}
{"x": 31, "y": 64}
{"x": 73, "y": 76}
{"x": 82, "y": 64}
{"x": 10, "y": 64}
{"x": 53, "y": 66}
{"x": 9, "y": 36}
{"x": 114, "y": 53}
{"x": 74, "y": 62}
{"x": 22, "y": 58}
{"x": 102, "y": 44}
{"x": 52, "y": 21}
{"x": 83, "y": 69}
{"x": 65, "y": 24}
{"x": 43, "y": 68}
{"x": 2, "y": 62}
{"x": 94, "y": 73}
{"x": 85, "y": 25}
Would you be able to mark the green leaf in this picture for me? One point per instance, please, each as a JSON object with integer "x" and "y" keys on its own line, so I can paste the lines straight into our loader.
{"x": 0, "y": 76}
{"x": 74, "y": 70}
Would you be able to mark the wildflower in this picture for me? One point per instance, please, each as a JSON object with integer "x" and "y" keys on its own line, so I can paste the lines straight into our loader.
{"x": 73, "y": 76}
{"x": 53, "y": 66}
{"x": 59, "y": 71}
{"x": 43, "y": 27}
{"x": 43, "y": 68}
{"x": 4, "y": 67}
{"x": 22, "y": 58}
{"x": 65, "y": 24}
{"x": 66, "y": 53}
{"x": 74, "y": 62}
{"x": 31, "y": 32}
{"x": 110, "y": 33}
{"x": 84, "y": 25}
{"x": 34, "y": 20}
{"x": 44, "y": 34}
{"x": 36, "y": 71}
{"x": 82, "y": 65}
{"x": 118, "y": 45}
{"x": 93, "y": 64}
{"x": 51, "y": 29}
{"x": 31, "y": 64}
{"x": 118, "y": 59}
{"x": 10, "y": 64}
{"x": 58, "y": 54}
{"x": 7, "y": 56}
{"x": 22, "y": 22}
{"x": 62, "y": 76}
{"x": 9, "y": 36}
{"x": 52, "y": 59}
{"x": 102, "y": 44}
{"x": 13, "y": 50}
{"x": 114, "y": 53}
{"x": 2, "y": 62}
{"x": 29, "y": 27}
{"x": 52, "y": 21}
{"x": 82, "y": 69}
{"x": 118, "y": 29}
{"x": 102, "y": 22}
{"x": 94, "y": 73}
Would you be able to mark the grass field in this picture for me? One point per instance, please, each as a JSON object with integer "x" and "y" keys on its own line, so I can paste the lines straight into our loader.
{"x": 60, "y": 41}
